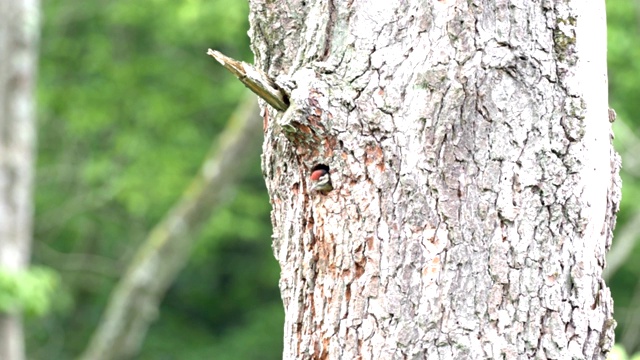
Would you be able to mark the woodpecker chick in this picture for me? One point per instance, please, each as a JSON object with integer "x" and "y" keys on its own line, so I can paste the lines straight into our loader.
{"x": 321, "y": 181}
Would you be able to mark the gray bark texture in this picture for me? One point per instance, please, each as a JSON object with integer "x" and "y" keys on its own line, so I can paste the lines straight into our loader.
{"x": 475, "y": 185}
{"x": 19, "y": 34}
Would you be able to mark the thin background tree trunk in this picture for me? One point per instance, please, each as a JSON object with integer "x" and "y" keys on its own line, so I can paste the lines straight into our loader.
{"x": 134, "y": 303}
{"x": 19, "y": 34}
{"x": 475, "y": 182}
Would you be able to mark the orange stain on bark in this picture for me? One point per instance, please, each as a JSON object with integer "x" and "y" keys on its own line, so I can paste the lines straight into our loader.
{"x": 374, "y": 155}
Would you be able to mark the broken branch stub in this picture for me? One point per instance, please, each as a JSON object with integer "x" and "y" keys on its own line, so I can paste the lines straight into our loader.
{"x": 256, "y": 80}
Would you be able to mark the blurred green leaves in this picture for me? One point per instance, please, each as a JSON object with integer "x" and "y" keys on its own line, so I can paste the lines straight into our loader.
{"x": 623, "y": 53}
{"x": 618, "y": 353}
{"x": 31, "y": 290}
{"x": 129, "y": 105}
{"x": 624, "y": 92}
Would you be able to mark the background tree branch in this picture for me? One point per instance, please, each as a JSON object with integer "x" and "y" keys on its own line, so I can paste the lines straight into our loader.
{"x": 134, "y": 302}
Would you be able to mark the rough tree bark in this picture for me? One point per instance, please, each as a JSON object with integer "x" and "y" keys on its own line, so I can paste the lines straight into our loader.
{"x": 19, "y": 33}
{"x": 475, "y": 186}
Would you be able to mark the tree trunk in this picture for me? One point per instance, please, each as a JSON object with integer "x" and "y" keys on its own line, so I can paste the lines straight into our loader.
{"x": 475, "y": 186}
{"x": 19, "y": 32}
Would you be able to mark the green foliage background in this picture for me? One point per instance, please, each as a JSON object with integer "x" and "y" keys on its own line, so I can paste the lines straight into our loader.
{"x": 128, "y": 106}
{"x": 623, "y": 17}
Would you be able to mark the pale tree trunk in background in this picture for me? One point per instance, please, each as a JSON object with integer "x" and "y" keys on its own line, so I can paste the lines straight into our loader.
{"x": 19, "y": 33}
{"x": 475, "y": 182}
